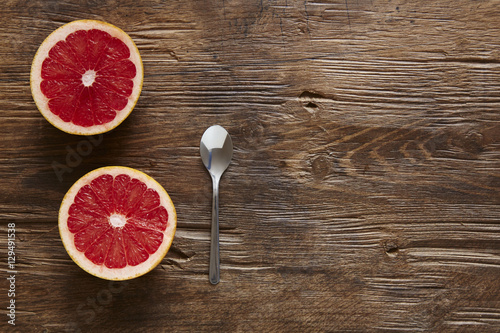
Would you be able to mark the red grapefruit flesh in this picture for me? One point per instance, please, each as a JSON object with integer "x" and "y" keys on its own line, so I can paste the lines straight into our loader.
{"x": 86, "y": 77}
{"x": 117, "y": 223}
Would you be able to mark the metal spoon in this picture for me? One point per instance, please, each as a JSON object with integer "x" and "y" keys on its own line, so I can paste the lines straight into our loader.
{"x": 216, "y": 150}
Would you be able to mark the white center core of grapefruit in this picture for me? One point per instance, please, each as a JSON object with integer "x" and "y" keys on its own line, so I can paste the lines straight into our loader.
{"x": 88, "y": 78}
{"x": 117, "y": 220}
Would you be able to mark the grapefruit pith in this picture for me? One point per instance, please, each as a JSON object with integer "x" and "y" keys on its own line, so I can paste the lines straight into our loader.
{"x": 117, "y": 223}
{"x": 86, "y": 77}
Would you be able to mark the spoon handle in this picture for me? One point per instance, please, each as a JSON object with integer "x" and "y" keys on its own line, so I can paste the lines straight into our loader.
{"x": 214, "y": 268}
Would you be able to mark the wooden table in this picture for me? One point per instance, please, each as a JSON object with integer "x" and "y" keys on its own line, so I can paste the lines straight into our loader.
{"x": 364, "y": 191}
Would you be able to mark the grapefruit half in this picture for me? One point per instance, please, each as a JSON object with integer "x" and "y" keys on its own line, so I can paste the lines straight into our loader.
{"x": 86, "y": 77}
{"x": 117, "y": 223}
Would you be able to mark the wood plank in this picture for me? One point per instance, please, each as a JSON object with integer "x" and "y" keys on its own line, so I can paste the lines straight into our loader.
{"x": 364, "y": 191}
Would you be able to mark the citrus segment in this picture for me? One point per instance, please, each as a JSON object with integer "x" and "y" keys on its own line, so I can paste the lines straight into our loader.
{"x": 117, "y": 223}
{"x": 86, "y": 77}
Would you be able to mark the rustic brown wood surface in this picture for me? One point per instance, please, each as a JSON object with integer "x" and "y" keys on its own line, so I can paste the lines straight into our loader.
{"x": 364, "y": 191}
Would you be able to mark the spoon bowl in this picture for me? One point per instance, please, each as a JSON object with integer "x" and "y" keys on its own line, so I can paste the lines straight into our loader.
{"x": 216, "y": 150}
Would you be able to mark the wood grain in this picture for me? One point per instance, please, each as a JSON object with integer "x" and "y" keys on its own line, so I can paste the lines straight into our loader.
{"x": 364, "y": 192}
